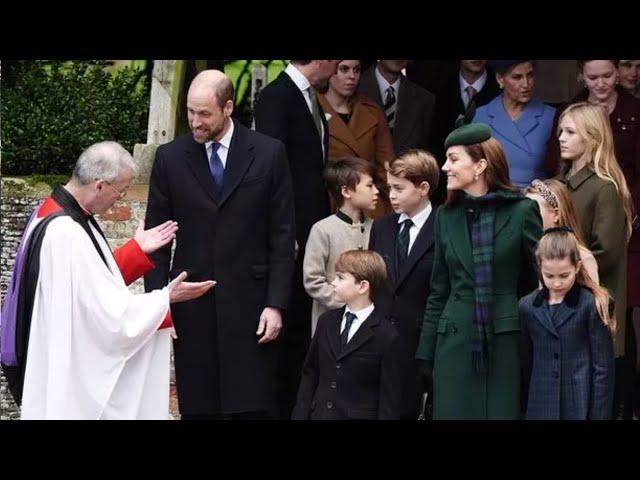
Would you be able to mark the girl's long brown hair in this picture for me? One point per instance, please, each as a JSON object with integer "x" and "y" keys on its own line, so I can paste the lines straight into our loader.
{"x": 558, "y": 245}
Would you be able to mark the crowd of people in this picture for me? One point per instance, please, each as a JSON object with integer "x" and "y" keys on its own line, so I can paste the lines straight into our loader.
{"x": 369, "y": 249}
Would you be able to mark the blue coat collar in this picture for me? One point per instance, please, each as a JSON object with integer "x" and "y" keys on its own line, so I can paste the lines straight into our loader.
{"x": 515, "y": 132}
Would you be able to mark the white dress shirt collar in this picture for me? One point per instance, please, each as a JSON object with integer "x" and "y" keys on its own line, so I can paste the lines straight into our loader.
{"x": 297, "y": 77}
{"x": 383, "y": 85}
{"x": 225, "y": 144}
{"x": 361, "y": 316}
{"x": 419, "y": 218}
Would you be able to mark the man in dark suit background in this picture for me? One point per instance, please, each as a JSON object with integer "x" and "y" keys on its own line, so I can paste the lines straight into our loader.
{"x": 230, "y": 191}
{"x": 289, "y": 111}
{"x": 409, "y": 108}
{"x": 455, "y": 89}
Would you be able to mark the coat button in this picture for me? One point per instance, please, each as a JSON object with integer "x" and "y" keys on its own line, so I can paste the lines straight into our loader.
{"x": 556, "y": 375}
{"x": 556, "y": 356}
{"x": 338, "y": 365}
{"x": 329, "y": 404}
{"x": 456, "y": 296}
{"x": 332, "y": 384}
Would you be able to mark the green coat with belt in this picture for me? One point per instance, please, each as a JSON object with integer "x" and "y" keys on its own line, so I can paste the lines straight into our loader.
{"x": 603, "y": 223}
{"x": 448, "y": 330}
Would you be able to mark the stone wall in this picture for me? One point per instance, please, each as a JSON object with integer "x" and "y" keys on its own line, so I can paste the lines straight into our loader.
{"x": 17, "y": 202}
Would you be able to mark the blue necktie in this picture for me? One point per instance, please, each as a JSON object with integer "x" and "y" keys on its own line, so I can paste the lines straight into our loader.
{"x": 216, "y": 167}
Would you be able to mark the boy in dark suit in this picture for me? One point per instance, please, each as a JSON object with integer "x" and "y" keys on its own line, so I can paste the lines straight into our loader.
{"x": 352, "y": 369}
{"x": 405, "y": 241}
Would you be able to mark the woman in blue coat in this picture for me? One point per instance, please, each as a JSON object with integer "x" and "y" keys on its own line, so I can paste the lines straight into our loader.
{"x": 521, "y": 123}
{"x": 567, "y": 346}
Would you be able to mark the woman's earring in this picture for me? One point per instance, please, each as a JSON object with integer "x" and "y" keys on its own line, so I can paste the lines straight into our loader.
{"x": 475, "y": 177}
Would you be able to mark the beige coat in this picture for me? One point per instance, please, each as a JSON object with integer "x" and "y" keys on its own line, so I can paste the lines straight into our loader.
{"x": 328, "y": 239}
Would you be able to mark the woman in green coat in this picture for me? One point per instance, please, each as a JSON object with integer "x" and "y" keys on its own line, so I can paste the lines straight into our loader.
{"x": 486, "y": 234}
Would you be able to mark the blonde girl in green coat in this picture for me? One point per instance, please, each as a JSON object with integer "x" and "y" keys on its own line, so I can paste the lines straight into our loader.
{"x": 601, "y": 197}
{"x": 603, "y": 203}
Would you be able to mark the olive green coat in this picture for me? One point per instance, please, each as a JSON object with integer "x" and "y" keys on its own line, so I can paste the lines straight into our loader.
{"x": 448, "y": 330}
{"x": 603, "y": 223}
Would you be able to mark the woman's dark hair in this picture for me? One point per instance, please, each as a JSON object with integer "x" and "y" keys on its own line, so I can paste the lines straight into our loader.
{"x": 497, "y": 171}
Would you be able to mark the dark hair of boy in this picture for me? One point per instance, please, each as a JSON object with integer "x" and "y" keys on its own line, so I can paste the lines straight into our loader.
{"x": 364, "y": 265}
{"x": 346, "y": 172}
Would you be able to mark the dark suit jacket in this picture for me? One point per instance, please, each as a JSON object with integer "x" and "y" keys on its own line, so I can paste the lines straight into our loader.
{"x": 568, "y": 362}
{"x": 245, "y": 241}
{"x": 449, "y": 106}
{"x": 404, "y": 299}
{"x": 282, "y": 112}
{"x": 414, "y": 111}
{"x": 362, "y": 382}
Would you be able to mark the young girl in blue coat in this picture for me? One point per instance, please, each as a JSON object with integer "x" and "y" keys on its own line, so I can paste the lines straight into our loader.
{"x": 567, "y": 345}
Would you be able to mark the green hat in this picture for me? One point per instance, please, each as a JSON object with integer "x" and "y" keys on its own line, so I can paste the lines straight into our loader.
{"x": 468, "y": 135}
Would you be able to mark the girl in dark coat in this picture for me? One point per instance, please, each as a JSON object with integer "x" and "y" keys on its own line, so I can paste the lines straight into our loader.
{"x": 567, "y": 346}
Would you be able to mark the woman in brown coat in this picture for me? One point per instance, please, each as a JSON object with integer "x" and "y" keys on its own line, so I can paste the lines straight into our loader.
{"x": 357, "y": 126}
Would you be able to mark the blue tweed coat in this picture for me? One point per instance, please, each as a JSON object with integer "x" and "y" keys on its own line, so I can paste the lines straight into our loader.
{"x": 568, "y": 362}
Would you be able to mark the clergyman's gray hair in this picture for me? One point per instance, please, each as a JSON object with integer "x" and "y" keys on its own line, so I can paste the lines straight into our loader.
{"x": 102, "y": 160}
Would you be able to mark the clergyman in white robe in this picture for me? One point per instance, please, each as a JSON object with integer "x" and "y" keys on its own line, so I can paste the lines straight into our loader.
{"x": 95, "y": 348}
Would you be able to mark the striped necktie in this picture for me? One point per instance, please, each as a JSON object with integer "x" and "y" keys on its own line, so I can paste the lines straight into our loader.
{"x": 390, "y": 106}
{"x": 402, "y": 243}
{"x": 315, "y": 111}
{"x": 471, "y": 92}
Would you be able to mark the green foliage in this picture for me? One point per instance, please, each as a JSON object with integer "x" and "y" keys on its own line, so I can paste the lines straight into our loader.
{"x": 51, "y": 111}
{"x": 51, "y": 180}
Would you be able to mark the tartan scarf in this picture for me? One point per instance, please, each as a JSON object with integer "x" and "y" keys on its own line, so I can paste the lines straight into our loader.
{"x": 482, "y": 229}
